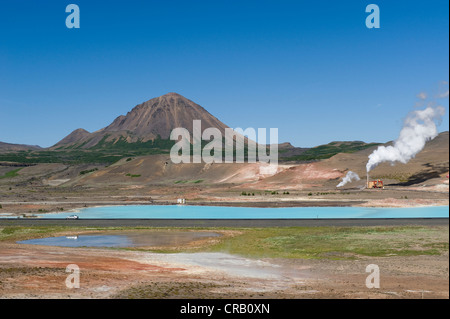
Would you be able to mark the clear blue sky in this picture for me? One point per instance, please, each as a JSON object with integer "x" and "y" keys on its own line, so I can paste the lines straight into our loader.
{"x": 310, "y": 68}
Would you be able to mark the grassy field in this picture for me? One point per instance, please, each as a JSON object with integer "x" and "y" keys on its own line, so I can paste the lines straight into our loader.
{"x": 337, "y": 242}
{"x": 329, "y": 150}
{"x": 102, "y": 153}
{"x": 295, "y": 242}
{"x": 11, "y": 174}
{"x": 15, "y": 233}
{"x": 108, "y": 152}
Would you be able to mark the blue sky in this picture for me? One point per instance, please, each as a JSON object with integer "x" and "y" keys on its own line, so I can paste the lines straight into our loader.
{"x": 310, "y": 68}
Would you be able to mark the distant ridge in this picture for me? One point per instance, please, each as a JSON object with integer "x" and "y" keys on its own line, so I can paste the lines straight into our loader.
{"x": 18, "y": 147}
{"x": 75, "y": 136}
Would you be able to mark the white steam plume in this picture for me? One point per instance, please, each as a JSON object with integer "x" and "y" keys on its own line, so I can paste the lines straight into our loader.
{"x": 350, "y": 177}
{"x": 418, "y": 128}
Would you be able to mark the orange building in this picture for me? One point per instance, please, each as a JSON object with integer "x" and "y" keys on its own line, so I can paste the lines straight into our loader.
{"x": 375, "y": 184}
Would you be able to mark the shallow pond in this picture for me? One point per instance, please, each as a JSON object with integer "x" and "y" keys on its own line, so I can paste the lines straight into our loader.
{"x": 124, "y": 239}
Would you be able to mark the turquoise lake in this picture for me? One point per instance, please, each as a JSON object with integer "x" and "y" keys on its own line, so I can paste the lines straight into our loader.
{"x": 220, "y": 212}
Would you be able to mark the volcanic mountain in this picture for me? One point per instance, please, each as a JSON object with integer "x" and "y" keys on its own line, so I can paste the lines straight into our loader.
{"x": 153, "y": 119}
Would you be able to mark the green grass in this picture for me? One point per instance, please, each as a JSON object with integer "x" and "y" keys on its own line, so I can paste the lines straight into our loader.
{"x": 11, "y": 174}
{"x": 109, "y": 152}
{"x": 102, "y": 153}
{"x": 194, "y": 182}
{"x": 88, "y": 171}
{"x": 133, "y": 176}
{"x": 292, "y": 242}
{"x": 16, "y": 233}
{"x": 329, "y": 150}
{"x": 336, "y": 242}
{"x": 63, "y": 156}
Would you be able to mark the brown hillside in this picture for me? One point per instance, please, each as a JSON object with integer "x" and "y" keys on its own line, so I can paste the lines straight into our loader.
{"x": 432, "y": 162}
{"x": 156, "y": 117}
{"x": 7, "y": 147}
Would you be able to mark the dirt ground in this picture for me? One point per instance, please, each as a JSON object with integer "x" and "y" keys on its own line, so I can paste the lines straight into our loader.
{"x": 30, "y": 271}
{"x": 33, "y": 271}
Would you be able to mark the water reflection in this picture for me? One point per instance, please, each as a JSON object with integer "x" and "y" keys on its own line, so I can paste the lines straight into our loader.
{"x": 123, "y": 239}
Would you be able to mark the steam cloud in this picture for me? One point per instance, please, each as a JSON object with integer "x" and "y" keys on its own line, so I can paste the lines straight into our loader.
{"x": 350, "y": 177}
{"x": 418, "y": 128}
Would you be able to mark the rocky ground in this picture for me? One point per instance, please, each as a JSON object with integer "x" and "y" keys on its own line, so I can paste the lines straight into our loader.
{"x": 28, "y": 271}
{"x": 40, "y": 272}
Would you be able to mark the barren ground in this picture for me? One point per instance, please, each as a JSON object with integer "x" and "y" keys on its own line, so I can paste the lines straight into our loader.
{"x": 33, "y": 271}
{"x": 30, "y": 271}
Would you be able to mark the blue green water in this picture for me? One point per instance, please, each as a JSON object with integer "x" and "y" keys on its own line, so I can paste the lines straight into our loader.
{"x": 217, "y": 212}
{"x": 123, "y": 239}
{"x": 82, "y": 241}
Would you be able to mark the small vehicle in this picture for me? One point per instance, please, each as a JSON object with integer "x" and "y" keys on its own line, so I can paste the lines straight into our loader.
{"x": 72, "y": 217}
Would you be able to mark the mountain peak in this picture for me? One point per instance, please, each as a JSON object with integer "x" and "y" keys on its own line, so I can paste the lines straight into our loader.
{"x": 160, "y": 115}
{"x": 150, "y": 119}
{"x": 168, "y": 100}
{"x": 75, "y": 136}
{"x": 172, "y": 94}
